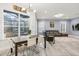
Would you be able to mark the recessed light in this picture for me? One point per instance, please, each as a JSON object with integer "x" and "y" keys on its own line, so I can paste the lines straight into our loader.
{"x": 58, "y": 15}
{"x": 34, "y": 10}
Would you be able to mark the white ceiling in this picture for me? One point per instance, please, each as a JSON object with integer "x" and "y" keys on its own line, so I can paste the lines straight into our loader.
{"x": 48, "y": 10}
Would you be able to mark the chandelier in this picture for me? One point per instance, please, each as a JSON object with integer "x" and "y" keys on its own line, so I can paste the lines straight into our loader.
{"x": 22, "y": 9}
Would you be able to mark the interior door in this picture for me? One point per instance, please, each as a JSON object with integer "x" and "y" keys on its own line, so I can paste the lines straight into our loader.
{"x": 63, "y": 27}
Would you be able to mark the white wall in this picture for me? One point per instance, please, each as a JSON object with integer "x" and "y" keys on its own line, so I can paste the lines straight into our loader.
{"x": 41, "y": 26}
{"x": 57, "y": 25}
{"x": 45, "y": 25}
{"x": 68, "y": 27}
{"x": 33, "y": 23}
{"x": 9, "y": 6}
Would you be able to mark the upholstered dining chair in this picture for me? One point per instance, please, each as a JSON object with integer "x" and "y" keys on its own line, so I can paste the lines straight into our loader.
{"x": 30, "y": 47}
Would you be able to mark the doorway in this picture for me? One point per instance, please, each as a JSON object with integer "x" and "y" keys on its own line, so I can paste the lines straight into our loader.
{"x": 63, "y": 27}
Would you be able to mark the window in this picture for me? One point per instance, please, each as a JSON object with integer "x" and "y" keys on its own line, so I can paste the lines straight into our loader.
{"x": 11, "y": 24}
{"x": 24, "y": 27}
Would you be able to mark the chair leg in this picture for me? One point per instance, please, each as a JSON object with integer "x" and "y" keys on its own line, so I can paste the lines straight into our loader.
{"x": 54, "y": 41}
{"x": 11, "y": 50}
{"x": 36, "y": 40}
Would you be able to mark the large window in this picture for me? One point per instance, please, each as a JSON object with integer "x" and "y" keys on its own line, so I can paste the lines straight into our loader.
{"x": 24, "y": 27}
{"x": 15, "y": 24}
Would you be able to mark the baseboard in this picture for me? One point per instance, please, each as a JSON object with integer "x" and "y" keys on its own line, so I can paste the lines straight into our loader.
{"x": 74, "y": 36}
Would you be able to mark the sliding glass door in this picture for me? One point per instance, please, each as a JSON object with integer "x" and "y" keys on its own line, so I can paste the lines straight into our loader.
{"x": 15, "y": 24}
{"x": 10, "y": 24}
{"x": 24, "y": 26}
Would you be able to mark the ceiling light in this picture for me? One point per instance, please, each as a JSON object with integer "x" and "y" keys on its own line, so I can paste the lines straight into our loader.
{"x": 34, "y": 10}
{"x": 23, "y": 9}
{"x": 58, "y": 15}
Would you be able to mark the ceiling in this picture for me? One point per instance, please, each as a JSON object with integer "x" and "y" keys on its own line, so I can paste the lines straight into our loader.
{"x": 49, "y": 10}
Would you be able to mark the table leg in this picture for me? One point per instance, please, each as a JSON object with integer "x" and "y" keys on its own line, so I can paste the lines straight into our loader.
{"x": 44, "y": 42}
{"x": 11, "y": 50}
{"x": 16, "y": 50}
{"x": 54, "y": 41}
{"x": 36, "y": 40}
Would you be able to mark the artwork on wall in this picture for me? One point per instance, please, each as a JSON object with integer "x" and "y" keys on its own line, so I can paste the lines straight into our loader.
{"x": 52, "y": 24}
{"x": 75, "y": 27}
